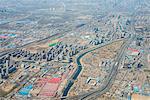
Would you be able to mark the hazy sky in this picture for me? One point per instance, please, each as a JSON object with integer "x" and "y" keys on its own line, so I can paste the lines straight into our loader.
{"x": 118, "y": 5}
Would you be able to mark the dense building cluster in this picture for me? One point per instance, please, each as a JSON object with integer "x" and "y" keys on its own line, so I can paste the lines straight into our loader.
{"x": 58, "y": 53}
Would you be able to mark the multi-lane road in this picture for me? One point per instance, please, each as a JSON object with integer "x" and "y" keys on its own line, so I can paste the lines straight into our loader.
{"x": 109, "y": 80}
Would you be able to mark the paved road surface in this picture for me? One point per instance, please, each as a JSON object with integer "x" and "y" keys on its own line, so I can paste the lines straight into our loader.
{"x": 80, "y": 67}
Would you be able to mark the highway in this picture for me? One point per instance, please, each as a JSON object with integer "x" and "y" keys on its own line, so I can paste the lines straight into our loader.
{"x": 109, "y": 80}
{"x": 75, "y": 75}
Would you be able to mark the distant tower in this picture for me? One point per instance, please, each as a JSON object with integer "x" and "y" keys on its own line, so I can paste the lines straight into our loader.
{"x": 0, "y": 73}
{"x": 140, "y": 4}
{"x": 7, "y": 66}
{"x": 64, "y": 6}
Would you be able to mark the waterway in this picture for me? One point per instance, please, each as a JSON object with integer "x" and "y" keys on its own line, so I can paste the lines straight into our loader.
{"x": 76, "y": 74}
